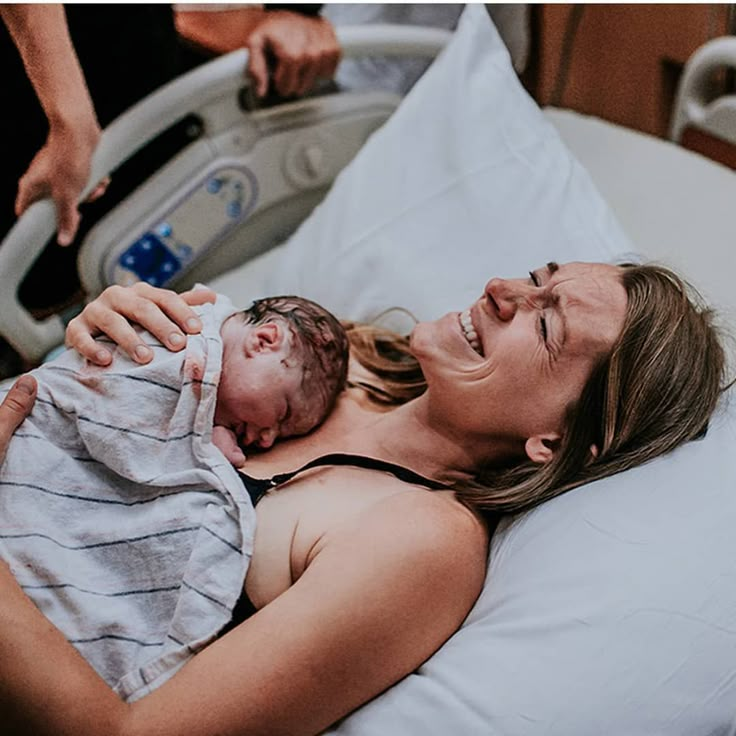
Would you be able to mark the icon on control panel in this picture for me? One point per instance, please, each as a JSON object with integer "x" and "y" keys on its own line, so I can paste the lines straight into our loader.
{"x": 214, "y": 185}
{"x": 150, "y": 260}
{"x": 180, "y": 235}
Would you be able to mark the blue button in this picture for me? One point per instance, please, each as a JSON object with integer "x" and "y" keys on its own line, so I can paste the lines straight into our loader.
{"x": 164, "y": 229}
{"x": 234, "y": 209}
{"x": 183, "y": 251}
{"x": 214, "y": 185}
{"x": 150, "y": 260}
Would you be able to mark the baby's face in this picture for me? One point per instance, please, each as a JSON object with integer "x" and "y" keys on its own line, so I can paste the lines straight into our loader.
{"x": 260, "y": 396}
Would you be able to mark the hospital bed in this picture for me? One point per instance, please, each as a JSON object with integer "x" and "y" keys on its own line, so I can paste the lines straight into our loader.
{"x": 611, "y": 609}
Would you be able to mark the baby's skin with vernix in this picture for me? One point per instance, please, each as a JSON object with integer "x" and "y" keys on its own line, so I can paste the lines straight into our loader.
{"x": 284, "y": 362}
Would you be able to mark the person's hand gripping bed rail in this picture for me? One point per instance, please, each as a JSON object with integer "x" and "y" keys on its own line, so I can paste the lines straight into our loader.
{"x": 299, "y": 45}
{"x": 61, "y": 168}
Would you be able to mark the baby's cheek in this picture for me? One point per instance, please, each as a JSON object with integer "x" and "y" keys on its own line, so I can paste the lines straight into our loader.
{"x": 302, "y": 425}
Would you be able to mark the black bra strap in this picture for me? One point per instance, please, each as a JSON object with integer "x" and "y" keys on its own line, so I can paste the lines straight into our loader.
{"x": 258, "y": 487}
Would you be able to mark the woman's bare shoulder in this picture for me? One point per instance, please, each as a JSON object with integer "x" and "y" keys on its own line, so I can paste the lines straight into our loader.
{"x": 355, "y": 507}
{"x": 431, "y": 527}
{"x": 346, "y": 497}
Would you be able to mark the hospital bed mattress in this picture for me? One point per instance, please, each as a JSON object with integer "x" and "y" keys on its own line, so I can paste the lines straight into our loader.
{"x": 675, "y": 205}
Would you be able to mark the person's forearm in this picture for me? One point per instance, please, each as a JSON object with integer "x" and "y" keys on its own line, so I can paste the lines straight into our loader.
{"x": 217, "y": 31}
{"x": 42, "y": 37}
{"x": 46, "y": 688}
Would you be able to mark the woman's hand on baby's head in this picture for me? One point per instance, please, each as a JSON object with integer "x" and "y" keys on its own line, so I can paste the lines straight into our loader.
{"x": 164, "y": 313}
{"x": 226, "y": 442}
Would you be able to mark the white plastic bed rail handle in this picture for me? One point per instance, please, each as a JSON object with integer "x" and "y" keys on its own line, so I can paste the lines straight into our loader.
{"x": 692, "y": 92}
{"x": 135, "y": 127}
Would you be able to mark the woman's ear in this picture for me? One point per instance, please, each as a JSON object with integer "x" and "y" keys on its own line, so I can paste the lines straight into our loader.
{"x": 541, "y": 447}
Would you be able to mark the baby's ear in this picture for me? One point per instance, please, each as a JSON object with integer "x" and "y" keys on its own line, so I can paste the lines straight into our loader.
{"x": 266, "y": 337}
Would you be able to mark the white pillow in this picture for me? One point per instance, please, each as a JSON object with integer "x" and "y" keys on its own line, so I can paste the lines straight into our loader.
{"x": 467, "y": 180}
{"x": 611, "y": 609}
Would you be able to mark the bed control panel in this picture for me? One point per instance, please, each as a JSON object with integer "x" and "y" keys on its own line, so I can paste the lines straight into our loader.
{"x": 238, "y": 190}
{"x": 204, "y": 215}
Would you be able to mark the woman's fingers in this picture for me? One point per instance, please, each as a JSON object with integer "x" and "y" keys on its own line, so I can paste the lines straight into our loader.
{"x": 199, "y": 296}
{"x": 16, "y": 406}
{"x": 165, "y": 314}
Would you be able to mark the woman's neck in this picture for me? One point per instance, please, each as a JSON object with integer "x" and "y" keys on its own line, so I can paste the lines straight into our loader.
{"x": 404, "y": 435}
{"x": 409, "y": 436}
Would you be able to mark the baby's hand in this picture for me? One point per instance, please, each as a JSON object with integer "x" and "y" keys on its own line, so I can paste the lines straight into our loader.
{"x": 226, "y": 442}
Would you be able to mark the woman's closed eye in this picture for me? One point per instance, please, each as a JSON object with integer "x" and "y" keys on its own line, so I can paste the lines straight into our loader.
{"x": 543, "y": 328}
{"x": 542, "y": 320}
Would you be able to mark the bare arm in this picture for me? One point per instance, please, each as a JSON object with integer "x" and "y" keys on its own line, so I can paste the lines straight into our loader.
{"x": 61, "y": 168}
{"x": 377, "y": 598}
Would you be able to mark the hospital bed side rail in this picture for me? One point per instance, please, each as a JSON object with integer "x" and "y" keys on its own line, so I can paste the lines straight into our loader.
{"x": 194, "y": 92}
{"x": 694, "y": 103}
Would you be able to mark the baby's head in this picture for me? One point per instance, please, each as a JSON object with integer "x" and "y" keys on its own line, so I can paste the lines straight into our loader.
{"x": 284, "y": 362}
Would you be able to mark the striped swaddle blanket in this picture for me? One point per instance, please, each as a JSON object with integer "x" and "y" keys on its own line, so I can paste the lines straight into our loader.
{"x": 118, "y": 516}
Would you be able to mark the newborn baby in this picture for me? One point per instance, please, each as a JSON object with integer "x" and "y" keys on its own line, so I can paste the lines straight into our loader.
{"x": 115, "y": 479}
{"x": 284, "y": 362}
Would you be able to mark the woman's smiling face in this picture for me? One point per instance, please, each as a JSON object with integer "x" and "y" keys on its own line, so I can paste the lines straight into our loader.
{"x": 509, "y": 365}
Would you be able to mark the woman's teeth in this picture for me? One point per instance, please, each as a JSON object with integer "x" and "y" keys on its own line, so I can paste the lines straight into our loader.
{"x": 469, "y": 331}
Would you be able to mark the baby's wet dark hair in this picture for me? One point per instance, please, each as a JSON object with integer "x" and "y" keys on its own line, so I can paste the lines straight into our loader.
{"x": 319, "y": 341}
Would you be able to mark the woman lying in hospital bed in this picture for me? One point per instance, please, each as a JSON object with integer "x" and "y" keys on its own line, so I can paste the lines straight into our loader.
{"x": 384, "y": 571}
{"x": 346, "y": 558}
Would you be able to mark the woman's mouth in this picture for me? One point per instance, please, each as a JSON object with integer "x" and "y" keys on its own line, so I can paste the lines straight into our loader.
{"x": 466, "y": 325}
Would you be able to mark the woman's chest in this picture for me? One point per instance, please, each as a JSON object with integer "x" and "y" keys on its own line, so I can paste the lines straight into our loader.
{"x": 296, "y": 519}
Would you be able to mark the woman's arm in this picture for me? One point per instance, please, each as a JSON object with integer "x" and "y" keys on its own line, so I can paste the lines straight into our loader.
{"x": 377, "y": 599}
{"x": 162, "y": 312}
{"x": 40, "y": 672}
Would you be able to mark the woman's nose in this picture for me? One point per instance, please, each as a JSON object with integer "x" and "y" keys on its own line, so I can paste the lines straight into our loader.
{"x": 504, "y": 296}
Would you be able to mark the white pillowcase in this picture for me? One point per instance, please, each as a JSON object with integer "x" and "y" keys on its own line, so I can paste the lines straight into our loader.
{"x": 466, "y": 181}
{"x": 613, "y": 608}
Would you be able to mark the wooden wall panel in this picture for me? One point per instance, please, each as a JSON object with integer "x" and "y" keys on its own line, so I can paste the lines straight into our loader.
{"x": 624, "y": 61}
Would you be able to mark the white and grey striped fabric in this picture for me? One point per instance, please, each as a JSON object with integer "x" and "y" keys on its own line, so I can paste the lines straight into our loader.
{"x": 118, "y": 516}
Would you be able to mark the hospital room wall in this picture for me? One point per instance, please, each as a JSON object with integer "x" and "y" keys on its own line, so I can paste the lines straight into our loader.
{"x": 619, "y": 62}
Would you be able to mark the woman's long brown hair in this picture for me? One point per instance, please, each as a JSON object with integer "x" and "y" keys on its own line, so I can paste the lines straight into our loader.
{"x": 657, "y": 389}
